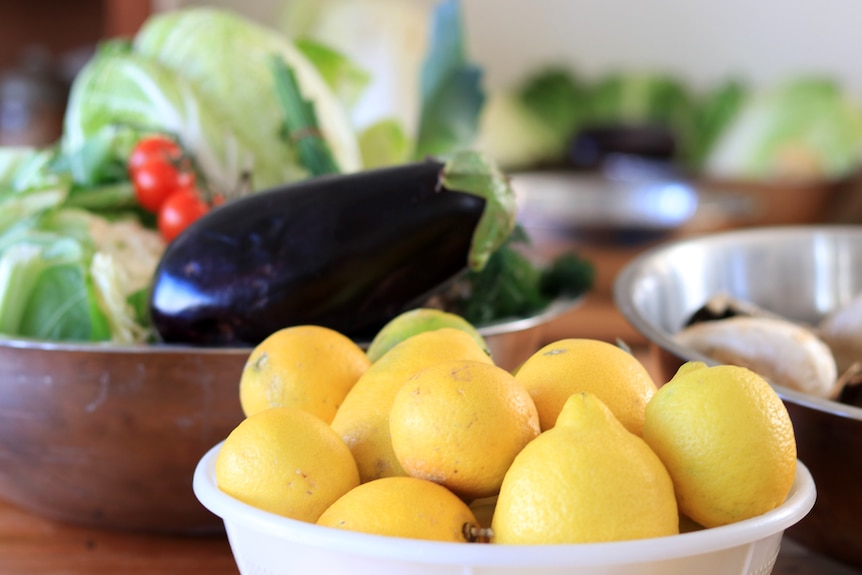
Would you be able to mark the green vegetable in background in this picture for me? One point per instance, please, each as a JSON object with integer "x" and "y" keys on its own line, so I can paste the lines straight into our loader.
{"x": 557, "y": 99}
{"x": 806, "y": 128}
{"x": 644, "y": 98}
{"x": 531, "y": 124}
{"x": 715, "y": 110}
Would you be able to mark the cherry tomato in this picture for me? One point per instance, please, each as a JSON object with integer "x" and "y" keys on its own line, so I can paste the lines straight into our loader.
{"x": 154, "y": 147}
{"x": 155, "y": 181}
{"x": 181, "y": 208}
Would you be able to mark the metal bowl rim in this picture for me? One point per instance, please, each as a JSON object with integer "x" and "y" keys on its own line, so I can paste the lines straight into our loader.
{"x": 503, "y": 326}
{"x": 632, "y": 271}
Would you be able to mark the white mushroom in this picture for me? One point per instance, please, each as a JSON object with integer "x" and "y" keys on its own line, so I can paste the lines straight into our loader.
{"x": 842, "y": 332}
{"x": 781, "y": 351}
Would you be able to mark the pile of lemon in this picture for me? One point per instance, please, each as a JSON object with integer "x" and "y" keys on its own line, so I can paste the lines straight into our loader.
{"x": 423, "y": 436}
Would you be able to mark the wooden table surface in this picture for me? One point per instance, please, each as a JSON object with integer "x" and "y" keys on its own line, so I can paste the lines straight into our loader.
{"x": 31, "y": 545}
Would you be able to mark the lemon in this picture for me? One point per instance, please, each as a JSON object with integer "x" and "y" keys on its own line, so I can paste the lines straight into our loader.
{"x": 461, "y": 423}
{"x": 402, "y": 507}
{"x": 569, "y": 366}
{"x": 286, "y": 461}
{"x": 587, "y": 479}
{"x": 416, "y": 321}
{"x": 726, "y": 439}
{"x": 363, "y": 418}
{"x": 309, "y": 367}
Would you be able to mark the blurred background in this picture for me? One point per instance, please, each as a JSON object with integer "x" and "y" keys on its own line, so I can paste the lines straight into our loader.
{"x": 43, "y": 43}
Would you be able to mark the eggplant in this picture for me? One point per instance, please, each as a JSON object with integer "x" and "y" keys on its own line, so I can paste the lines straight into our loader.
{"x": 349, "y": 252}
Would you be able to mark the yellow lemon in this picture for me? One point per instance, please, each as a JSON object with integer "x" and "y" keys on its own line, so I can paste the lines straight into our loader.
{"x": 363, "y": 418}
{"x": 402, "y": 507}
{"x": 569, "y": 366}
{"x": 726, "y": 439}
{"x": 286, "y": 461}
{"x": 461, "y": 423}
{"x": 586, "y": 480}
{"x": 308, "y": 366}
{"x": 416, "y": 321}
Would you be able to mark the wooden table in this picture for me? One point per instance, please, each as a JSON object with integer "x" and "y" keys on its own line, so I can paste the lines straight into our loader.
{"x": 31, "y": 545}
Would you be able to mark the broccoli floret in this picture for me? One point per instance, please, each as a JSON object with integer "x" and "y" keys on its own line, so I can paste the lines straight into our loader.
{"x": 568, "y": 275}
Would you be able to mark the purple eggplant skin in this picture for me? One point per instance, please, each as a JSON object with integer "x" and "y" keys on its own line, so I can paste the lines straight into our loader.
{"x": 345, "y": 252}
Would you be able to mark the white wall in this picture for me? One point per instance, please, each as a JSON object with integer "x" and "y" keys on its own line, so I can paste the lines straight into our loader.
{"x": 759, "y": 40}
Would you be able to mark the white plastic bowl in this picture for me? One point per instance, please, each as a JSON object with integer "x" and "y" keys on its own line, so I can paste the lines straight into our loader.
{"x": 267, "y": 544}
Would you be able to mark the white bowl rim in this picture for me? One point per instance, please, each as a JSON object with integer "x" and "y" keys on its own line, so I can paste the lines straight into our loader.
{"x": 632, "y": 271}
{"x": 799, "y": 502}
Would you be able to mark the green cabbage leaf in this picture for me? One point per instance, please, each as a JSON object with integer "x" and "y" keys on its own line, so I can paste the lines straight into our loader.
{"x": 226, "y": 60}
{"x": 805, "y": 129}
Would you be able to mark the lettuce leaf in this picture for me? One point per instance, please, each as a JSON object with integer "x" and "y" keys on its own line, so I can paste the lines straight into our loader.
{"x": 126, "y": 89}
{"x": 806, "y": 128}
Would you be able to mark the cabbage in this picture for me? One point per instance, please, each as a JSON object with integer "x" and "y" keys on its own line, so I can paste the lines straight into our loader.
{"x": 226, "y": 59}
{"x": 387, "y": 38}
{"x": 422, "y": 89}
{"x": 65, "y": 276}
{"x": 513, "y": 135}
{"x": 805, "y": 128}
{"x": 126, "y": 89}
{"x": 532, "y": 123}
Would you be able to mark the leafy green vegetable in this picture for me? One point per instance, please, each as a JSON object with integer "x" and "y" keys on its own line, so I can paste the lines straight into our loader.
{"x": 511, "y": 285}
{"x": 133, "y": 91}
{"x": 532, "y": 123}
{"x": 386, "y": 38}
{"x": 300, "y": 123}
{"x": 450, "y": 88}
{"x": 515, "y": 136}
{"x": 641, "y": 97}
{"x": 384, "y": 143}
{"x": 49, "y": 285}
{"x": 805, "y": 128}
{"x": 43, "y": 284}
{"x": 557, "y": 99}
{"x": 346, "y": 79}
{"x": 568, "y": 275}
{"x": 715, "y": 110}
{"x": 226, "y": 59}
{"x": 472, "y": 173}
{"x": 644, "y": 98}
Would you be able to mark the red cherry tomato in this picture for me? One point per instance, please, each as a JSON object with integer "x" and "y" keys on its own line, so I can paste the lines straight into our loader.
{"x": 177, "y": 212}
{"x": 157, "y": 168}
{"x": 155, "y": 181}
{"x": 154, "y": 147}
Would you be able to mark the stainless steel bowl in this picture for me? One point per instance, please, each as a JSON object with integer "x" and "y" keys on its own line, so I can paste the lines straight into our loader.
{"x": 109, "y": 436}
{"x": 802, "y": 273}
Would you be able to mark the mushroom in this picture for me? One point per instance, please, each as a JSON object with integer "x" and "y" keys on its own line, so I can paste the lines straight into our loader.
{"x": 781, "y": 351}
{"x": 842, "y": 332}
